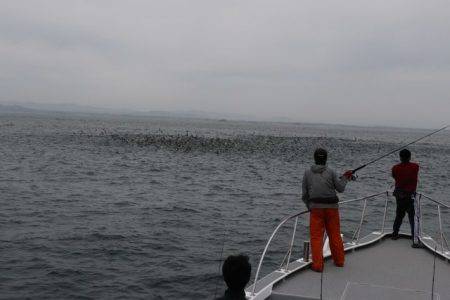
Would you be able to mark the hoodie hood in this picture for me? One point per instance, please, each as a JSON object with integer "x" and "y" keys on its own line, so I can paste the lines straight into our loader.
{"x": 318, "y": 168}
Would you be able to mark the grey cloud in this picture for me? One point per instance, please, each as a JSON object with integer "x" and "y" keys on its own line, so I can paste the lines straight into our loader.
{"x": 315, "y": 61}
{"x": 23, "y": 31}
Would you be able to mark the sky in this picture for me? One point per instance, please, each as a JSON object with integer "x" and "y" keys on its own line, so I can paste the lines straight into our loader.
{"x": 351, "y": 62}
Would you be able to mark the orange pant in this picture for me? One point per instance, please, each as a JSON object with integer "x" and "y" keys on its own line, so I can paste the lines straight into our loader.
{"x": 320, "y": 219}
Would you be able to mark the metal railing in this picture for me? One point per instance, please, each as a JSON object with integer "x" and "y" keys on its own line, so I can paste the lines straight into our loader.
{"x": 439, "y": 204}
{"x": 356, "y": 234}
{"x": 270, "y": 240}
{"x": 296, "y": 216}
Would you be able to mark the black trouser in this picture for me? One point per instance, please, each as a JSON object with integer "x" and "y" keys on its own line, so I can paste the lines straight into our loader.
{"x": 404, "y": 205}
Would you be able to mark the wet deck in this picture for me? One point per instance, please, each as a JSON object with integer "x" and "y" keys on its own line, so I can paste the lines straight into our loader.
{"x": 385, "y": 270}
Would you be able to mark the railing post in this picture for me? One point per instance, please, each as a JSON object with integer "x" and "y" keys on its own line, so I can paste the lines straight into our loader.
{"x": 385, "y": 212}
{"x": 267, "y": 247}
{"x": 417, "y": 216}
{"x": 292, "y": 244}
{"x": 358, "y": 231}
{"x": 420, "y": 217}
{"x": 440, "y": 228}
{"x": 263, "y": 255}
{"x": 446, "y": 243}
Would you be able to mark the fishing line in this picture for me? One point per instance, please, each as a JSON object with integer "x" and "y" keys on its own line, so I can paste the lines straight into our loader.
{"x": 397, "y": 149}
{"x": 218, "y": 271}
{"x": 220, "y": 261}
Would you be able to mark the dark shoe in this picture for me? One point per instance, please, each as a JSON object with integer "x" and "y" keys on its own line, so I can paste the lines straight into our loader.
{"x": 339, "y": 265}
{"x": 395, "y": 236}
{"x": 416, "y": 246}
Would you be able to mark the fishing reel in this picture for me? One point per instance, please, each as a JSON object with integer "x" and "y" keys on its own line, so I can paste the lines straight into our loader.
{"x": 351, "y": 175}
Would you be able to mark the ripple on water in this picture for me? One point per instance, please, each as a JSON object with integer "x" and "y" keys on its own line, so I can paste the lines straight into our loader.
{"x": 124, "y": 203}
{"x": 108, "y": 209}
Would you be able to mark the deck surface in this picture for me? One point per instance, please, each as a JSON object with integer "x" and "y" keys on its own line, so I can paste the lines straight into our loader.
{"x": 389, "y": 268}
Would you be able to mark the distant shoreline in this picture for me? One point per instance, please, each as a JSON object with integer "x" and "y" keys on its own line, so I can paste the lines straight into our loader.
{"x": 16, "y": 109}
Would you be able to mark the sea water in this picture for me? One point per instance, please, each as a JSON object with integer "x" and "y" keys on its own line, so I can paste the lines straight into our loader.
{"x": 122, "y": 207}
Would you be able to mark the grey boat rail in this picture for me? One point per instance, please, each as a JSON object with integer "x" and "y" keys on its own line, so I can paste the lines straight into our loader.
{"x": 439, "y": 204}
{"x": 355, "y": 240}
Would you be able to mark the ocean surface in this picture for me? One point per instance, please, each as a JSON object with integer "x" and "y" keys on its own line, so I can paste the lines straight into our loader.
{"x": 121, "y": 207}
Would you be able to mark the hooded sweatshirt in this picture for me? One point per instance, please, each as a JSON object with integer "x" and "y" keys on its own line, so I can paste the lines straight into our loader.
{"x": 321, "y": 182}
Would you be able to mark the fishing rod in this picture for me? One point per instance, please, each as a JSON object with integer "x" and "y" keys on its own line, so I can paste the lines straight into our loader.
{"x": 397, "y": 149}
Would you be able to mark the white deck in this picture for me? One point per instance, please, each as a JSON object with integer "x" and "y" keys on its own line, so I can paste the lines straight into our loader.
{"x": 384, "y": 270}
{"x": 376, "y": 267}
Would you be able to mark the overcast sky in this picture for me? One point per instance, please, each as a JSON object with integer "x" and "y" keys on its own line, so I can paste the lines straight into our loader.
{"x": 353, "y": 62}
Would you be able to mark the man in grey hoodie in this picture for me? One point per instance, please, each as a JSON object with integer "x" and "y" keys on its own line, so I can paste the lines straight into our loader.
{"x": 319, "y": 188}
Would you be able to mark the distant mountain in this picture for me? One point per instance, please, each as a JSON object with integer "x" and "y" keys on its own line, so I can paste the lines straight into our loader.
{"x": 64, "y": 107}
{"x": 76, "y": 108}
{"x": 196, "y": 115}
{"x": 33, "y": 107}
{"x": 13, "y": 108}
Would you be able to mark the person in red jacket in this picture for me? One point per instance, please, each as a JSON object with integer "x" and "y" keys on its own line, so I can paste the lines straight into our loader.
{"x": 406, "y": 176}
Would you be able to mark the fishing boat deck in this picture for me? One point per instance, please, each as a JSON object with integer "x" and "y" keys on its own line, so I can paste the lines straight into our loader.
{"x": 384, "y": 270}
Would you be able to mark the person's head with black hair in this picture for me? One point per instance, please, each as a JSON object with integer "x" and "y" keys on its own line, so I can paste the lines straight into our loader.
{"x": 405, "y": 156}
{"x": 236, "y": 272}
{"x": 320, "y": 156}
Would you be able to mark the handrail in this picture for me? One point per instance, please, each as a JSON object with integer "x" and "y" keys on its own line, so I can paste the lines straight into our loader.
{"x": 385, "y": 212}
{"x": 270, "y": 240}
{"x": 362, "y": 198}
{"x": 358, "y": 230}
{"x": 292, "y": 243}
{"x": 435, "y": 201}
{"x": 289, "y": 218}
{"x": 439, "y": 203}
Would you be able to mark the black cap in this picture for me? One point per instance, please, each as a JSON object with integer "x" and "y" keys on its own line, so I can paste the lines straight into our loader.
{"x": 405, "y": 155}
{"x": 320, "y": 156}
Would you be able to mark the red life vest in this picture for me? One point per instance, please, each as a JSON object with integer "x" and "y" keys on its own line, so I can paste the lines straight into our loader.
{"x": 406, "y": 176}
